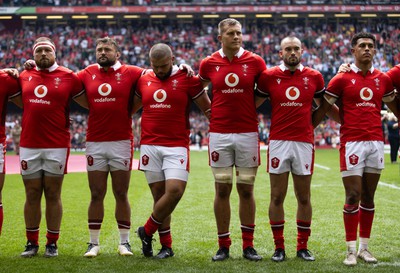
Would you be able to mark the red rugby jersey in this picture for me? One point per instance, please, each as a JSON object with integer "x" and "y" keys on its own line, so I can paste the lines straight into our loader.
{"x": 110, "y": 95}
{"x": 291, "y": 96}
{"x": 360, "y": 102}
{"x": 166, "y": 105}
{"x": 46, "y": 95}
{"x": 232, "y": 106}
{"x": 9, "y": 87}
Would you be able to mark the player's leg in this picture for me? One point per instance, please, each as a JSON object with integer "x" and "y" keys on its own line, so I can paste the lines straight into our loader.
{"x": 302, "y": 189}
{"x": 221, "y": 154}
{"x": 2, "y": 176}
{"x": 163, "y": 208}
{"x": 98, "y": 189}
{"x": 352, "y": 186}
{"x": 366, "y": 214}
{"x": 52, "y": 192}
{"x": 279, "y": 159}
{"x": 279, "y": 186}
{"x": 164, "y": 230}
{"x": 370, "y": 178}
{"x": 222, "y": 209}
{"x": 247, "y": 160}
{"x": 245, "y": 178}
{"x": 32, "y": 212}
{"x": 32, "y": 176}
{"x": 120, "y": 186}
{"x": 97, "y": 171}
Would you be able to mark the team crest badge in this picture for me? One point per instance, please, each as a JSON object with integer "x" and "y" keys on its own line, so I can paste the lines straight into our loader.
{"x": 57, "y": 82}
{"x": 215, "y": 156}
{"x": 353, "y": 159}
{"x": 145, "y": 160}
{"x": 24, "y": 165}
{"x": 89, "y": 160}
{"x": 275, "y": 162}
{"x": 118, "y": 77}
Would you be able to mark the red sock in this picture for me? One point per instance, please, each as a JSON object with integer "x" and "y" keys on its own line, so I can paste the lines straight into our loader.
{"x": 151, "y": 225}
{"x": 350, "y": 217}
{"x": 247, "y": 235}
{"x": 52, "y": 236}
{"x": 1, "y": 216}
{"x": 165, "y": 237}
{"x": 224, "y": 240}
{"x": 303, "y": 232}
{"x": 277, "y": 232}
{"x": 32, "y": 234}
{"x": 366, "y": 218}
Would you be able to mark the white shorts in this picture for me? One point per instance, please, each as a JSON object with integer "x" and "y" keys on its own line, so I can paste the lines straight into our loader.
{"x": 356, "y": 155}
{"x": 162, "y": 163}
{"x": 109, "y": 155}
{"x": 51, "y": 160}
{"x": 240, "y": 150}
{"x": 290, "y": 156}
{"x": 2, "y": 158}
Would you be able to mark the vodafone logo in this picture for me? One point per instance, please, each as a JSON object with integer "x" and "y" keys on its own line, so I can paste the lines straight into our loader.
{"x": 160, "y": 95}
{"x": 40, "y": 91}
{"x": 231, "y": 79}
{"x": 292, "y": 93}
{"x": 366, "y": 93}
{"x": 104, "y": 89}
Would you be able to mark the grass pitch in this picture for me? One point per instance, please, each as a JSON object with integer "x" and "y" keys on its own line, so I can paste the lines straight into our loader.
{"x": 194, "y": 229}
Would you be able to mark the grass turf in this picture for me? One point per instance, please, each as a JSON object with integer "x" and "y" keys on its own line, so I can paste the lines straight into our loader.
{"x": 194, "y": 229}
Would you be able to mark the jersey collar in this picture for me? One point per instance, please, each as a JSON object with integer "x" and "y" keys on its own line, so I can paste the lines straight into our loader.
{"x": 356, "y": 69}
{"x": 239, "y": 54}
{"x": 283, "y": 67}
{"x": 50, "y": 69}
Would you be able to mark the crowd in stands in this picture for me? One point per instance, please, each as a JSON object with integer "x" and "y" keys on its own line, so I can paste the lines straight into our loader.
{"x": 17, "y": 3}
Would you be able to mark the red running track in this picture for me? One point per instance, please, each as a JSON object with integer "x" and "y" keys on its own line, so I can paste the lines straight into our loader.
{"x": 76, "y": 164}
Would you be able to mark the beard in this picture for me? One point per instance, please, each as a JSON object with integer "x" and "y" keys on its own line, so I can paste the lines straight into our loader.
{"x": 44, "y": 63}
{"x": 105, "y": 62}
{"x": 164, "y": 76}
{"x": 291, "y": 61}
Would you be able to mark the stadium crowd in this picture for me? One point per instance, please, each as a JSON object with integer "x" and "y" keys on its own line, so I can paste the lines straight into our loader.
{"x": 325, "y": 48}
{"x": 183, "y": 2}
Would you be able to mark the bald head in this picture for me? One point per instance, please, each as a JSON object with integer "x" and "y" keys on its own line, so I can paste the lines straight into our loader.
{"x": 161, "y": 60}
{"x": 160, "y": 51}
{"x": 287, "y": 40}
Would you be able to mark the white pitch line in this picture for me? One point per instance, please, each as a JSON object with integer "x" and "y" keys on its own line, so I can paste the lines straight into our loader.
{"x": 322, "y": 167}
{"x": 389, "y": 185}
{"x": 395, "y": 264}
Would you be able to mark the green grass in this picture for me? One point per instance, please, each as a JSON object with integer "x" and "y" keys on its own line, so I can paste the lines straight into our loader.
{"x": 194, "y": 228}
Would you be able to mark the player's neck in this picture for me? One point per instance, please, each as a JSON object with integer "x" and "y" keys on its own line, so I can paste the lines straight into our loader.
{"x": 230, "y": 54}
{"x": 364, "y": 67}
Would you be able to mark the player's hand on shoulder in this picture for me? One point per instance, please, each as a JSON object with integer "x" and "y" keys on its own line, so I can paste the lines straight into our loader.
{"x": 343, "y": 68}
{"x": 29, "y": 64}
{"x": 11, "y": 72}
{"x": 188, "y": 68}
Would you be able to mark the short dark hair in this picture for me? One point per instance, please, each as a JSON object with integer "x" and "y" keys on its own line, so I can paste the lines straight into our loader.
{"x": 108, "y": 40}
{"x": 228, "y": 22}
{"x": 361, "y": 35}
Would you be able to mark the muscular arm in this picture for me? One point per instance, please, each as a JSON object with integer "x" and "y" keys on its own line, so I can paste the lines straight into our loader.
{"x": 137, "y": 104}
{"x": 82, "y": 100}
{"x": 17, "y": 100}
{"x": 325, "y": 106}
{"x": 204, "y": 104}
